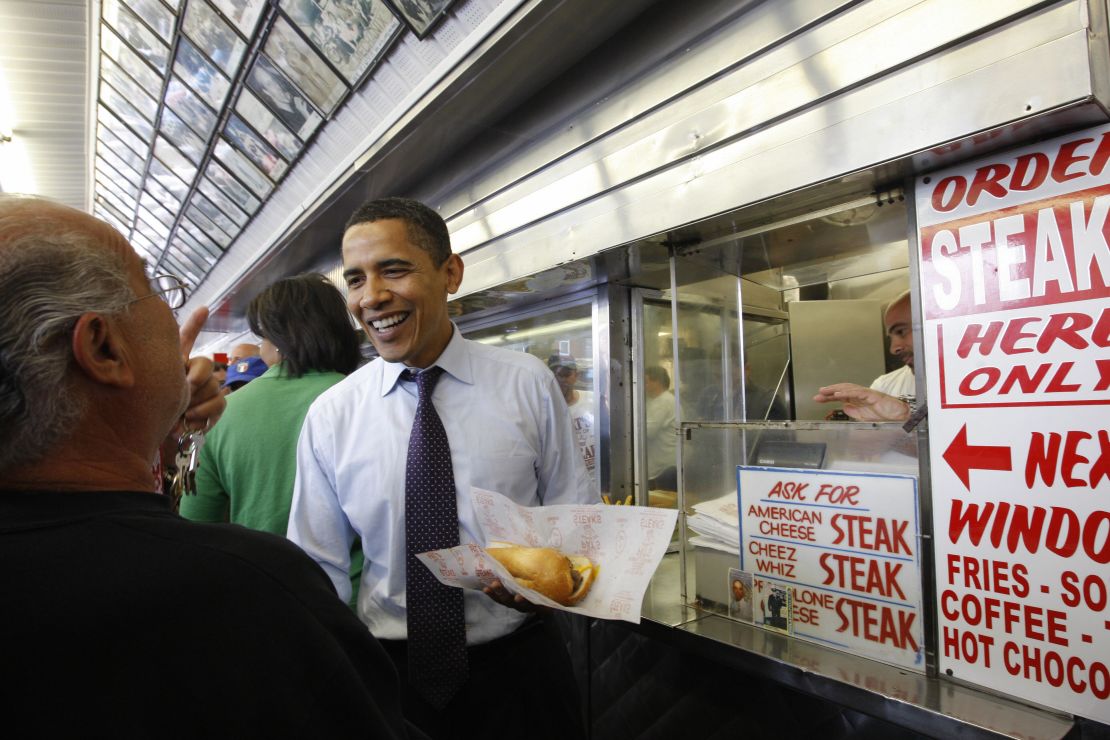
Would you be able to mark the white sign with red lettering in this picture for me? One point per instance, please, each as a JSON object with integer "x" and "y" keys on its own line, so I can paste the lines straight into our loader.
{"x": 846, "y": 547}
{"x": 1016, "y": 318}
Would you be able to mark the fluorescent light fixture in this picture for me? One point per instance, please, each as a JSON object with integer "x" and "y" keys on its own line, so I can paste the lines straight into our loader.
{"x": 15, "y": 165}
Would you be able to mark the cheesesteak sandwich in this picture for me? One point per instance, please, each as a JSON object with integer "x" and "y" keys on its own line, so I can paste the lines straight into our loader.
{"x": 563, "y": 579}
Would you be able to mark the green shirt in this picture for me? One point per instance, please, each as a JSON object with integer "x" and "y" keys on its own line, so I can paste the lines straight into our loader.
{"x": 249, "y": 459}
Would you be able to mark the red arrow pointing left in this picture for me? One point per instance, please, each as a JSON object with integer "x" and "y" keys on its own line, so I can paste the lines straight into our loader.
{"x": 963, "y": 458}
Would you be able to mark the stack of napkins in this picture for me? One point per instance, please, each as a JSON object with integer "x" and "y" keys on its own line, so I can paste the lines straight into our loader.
{"x": 717, "y": 524}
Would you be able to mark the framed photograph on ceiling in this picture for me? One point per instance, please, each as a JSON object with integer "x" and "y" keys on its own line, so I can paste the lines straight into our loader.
{"x": 213, "y": 36}
{"x": 121, "y": 106}
{"x": 174, "y": 129}
{"x": 221, "y": 201}
{"x": 114, "y": 47}
{"x": 133, "y": 91}
{"x": 421, "y": 15}
{"x": 266, "y": 123}
{"x": 111, "y": 142}
{"x": 218, "y": 179}
{"x": 161, "y": 192}
{"x": 168, "y": 180}
{"x": 242, "y": 168}
{"x": 200, "y": 74}
{"x": 190, "y": 108}
{"x": 352, "y": 34}
{"x": 178, "y": 163}
{"x": 136, "y": 34}
{"x": 283, "y": 97}
{"x": 110, "y": 121}
{"x": 252, "y": 145}
{"x": 301, "y": 64}
{"x": 217, "y": 216}
{"x": 243, "y": 13}
{"x": 156, "y": 15}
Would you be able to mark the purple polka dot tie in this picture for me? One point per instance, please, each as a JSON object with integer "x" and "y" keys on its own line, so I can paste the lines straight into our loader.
{"x": 436, "y": 626}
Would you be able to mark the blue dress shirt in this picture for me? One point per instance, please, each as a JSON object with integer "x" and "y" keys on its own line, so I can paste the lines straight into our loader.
{"x": 509, "y": 431}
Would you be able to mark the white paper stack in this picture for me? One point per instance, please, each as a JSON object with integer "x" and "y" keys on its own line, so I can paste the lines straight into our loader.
{"x": 717, "y": 524}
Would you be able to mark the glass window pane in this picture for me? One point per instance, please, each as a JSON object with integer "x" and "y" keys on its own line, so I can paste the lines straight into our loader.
{"x": 153, "y": 224}
{"x": 109, "y": 217}
{"x": 189, "y": 229}
{"x": 189, "y": 260}
{"x": 182, "y": 267}
{"x": 119, "y": 166}
{"x": 225, "y": 204}
{"x": 164, "y": 196}
{"x": 117, "y": 185}
{"x": 143, "y": 243}
{"x": 208, "y": 248}
{"x": 197, "y": 217}
{"x": 200, "y": 257}
{"x": 105, "y": 144}
{"x": 144, "y": 228}
{"x": 105, "y": 201}
{"x": 206, "y": 207}
{"x": 156, "y": 209}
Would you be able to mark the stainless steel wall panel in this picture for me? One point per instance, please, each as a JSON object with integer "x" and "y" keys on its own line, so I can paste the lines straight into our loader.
{"x": 789, "y": 70}
{"x": 1035, "y": 65}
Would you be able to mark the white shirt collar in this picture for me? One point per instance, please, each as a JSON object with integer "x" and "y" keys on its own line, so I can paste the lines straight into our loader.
{"x": 455, "y": 361}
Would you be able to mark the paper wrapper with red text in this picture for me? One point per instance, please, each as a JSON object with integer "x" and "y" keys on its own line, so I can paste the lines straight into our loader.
{"x": 626, "y": 542}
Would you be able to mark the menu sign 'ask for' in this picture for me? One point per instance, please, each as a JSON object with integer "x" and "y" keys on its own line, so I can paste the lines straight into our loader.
{"x": 1016, "y": 320}
{"x": 844, "y": 547}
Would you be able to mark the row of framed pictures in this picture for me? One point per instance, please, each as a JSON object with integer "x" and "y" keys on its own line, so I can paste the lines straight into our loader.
{"x": 194, "y": 132}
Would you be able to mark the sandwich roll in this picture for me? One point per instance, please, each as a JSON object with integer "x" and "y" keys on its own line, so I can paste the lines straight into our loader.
{"x": 564, "y": 579}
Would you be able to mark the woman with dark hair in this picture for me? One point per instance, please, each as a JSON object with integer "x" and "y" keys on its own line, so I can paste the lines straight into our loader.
{"x": 249, "y": 460}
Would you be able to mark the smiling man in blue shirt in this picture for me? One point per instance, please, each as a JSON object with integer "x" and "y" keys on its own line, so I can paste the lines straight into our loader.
{"x": 508, "y": 430}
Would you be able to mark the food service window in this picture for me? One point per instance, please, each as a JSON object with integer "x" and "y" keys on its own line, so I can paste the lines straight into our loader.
{"x": 783, "y": 500}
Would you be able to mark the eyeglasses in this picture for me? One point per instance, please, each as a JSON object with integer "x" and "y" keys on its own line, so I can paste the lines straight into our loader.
{"x": 169, "y": 288}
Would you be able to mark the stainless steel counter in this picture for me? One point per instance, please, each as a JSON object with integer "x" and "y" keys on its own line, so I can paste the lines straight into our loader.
{"x": 930, "y": 706}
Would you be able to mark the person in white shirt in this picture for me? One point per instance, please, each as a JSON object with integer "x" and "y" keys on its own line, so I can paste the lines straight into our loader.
{"x": 581, "y": 406}
{"x": 508, "y": 430}
{"x": 660, "y": 421}
{"x": 891, "y": 396}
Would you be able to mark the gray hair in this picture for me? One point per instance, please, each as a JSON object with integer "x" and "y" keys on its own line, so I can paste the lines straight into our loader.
{"x": 50, "y": 274}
